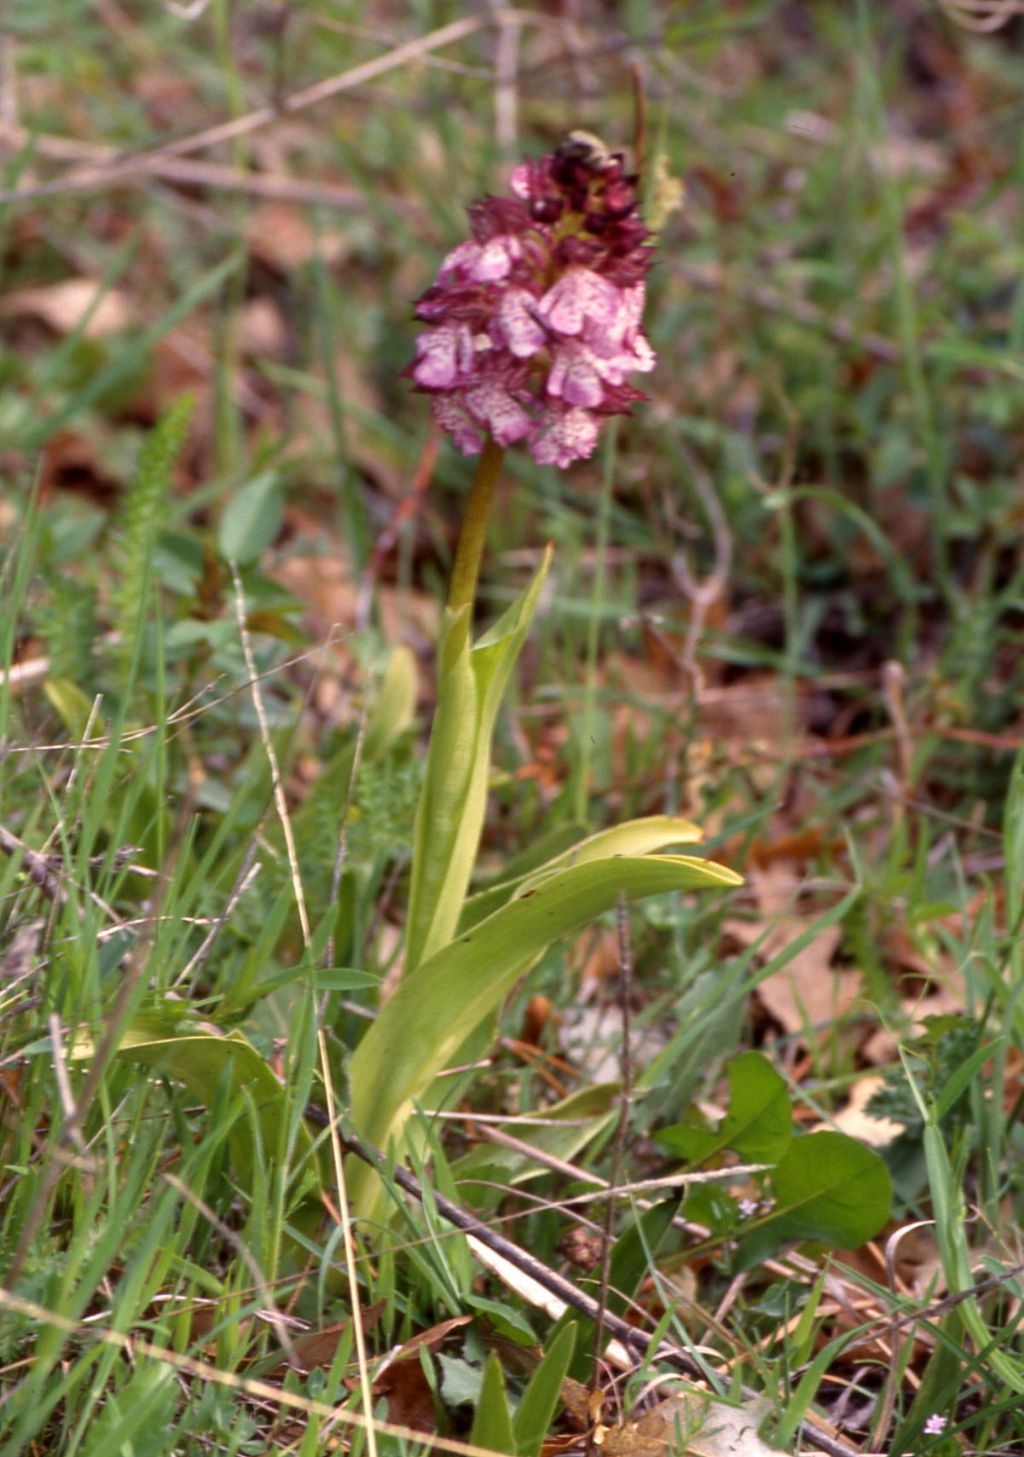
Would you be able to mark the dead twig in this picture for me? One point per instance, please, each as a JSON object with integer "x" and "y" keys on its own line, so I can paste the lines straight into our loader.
{"x": 618, "y": 1152}
{"x": 636, "y": 1342}
{"x": 120, "y": 168}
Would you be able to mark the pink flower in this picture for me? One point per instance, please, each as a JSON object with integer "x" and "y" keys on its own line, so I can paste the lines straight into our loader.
{"x": 935, "y": 1425}
{"x": 579, "y": 294}
{"x": 565, "y": 436}
{"x": 534, "y": 321}
{"x": 444, "y": 355}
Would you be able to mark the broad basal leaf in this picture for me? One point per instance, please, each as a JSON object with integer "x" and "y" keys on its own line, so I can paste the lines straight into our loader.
{"x": 435, "y": 1010}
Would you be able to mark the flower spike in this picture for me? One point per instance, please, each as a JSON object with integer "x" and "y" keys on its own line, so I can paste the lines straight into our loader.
{"x": 534, "y": 321}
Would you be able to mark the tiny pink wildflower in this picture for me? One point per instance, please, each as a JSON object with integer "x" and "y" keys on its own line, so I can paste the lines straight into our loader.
{"x": 534, "y": 322}
{"x": 935, "y": 1425}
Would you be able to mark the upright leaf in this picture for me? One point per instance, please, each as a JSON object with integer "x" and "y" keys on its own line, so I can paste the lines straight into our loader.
{"x": 453, "y": 801}
{"x": 492, "y": 1424}
{"x": 542, "y": 1395}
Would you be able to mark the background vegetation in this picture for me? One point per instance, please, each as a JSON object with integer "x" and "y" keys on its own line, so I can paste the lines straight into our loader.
{"x": 786, "y": 603}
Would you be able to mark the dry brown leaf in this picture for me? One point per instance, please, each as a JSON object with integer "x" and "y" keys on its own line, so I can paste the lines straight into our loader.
{"x": 807, "y": 991}
{"x": 881, "y": 1048}
{"x": 857, "y": 1122}
{"x": 73, "y": 460}
{"x": 264, "y": 333}
{"x": 62, "y": 306}
{"x": 280, "y": 236}
{"x": 409, "y": 1396}
{"x": 318, "y": 1348}
{"x": 689, "y": 1424}
{"x": 918, "y": 1264}
{"x": 324, "y": 585}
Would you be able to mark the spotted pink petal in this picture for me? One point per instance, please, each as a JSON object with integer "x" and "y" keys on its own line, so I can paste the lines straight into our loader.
{"x": 443, "y": 355}
{"x": 496, "y": 259}
{"x": 570, "y": 436}
{"x": 573, "y": 377}
{"x": 577, "y": 296}
{"x": 517, "y": 325}
{"x": 461, "y": 260}
{"x": 519, "y": 180}
{"x": 453, "y": 419}
{"x": 644, "y": 357}
{"x": 492, "y": 405}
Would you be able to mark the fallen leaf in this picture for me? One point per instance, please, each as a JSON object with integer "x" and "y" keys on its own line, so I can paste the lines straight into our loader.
{"x": 264, "y": 332}
{"x": 317, "y": 1348}
{"x": 807, "y": 992}
{"x": 62, "y": 306}
{"x": 690, "y": 1424}
{"x": 857, "y": 1122}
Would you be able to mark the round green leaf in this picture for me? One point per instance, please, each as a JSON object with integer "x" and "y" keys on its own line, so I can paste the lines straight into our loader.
{"x": 251, "y": 519}
{"x": 831, "y": 1188}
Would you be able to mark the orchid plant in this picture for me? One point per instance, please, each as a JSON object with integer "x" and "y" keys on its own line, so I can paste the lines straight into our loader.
{"x": 533, "y": 327}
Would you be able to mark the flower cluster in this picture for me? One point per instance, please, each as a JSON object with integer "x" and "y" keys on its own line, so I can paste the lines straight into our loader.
{"x": 534, "y": 323}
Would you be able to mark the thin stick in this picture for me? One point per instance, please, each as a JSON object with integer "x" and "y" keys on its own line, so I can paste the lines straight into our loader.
{"x": 341, "y": 853}
{"x": 557, "y": 1285}
{"x": 247, "y": 873}
{"x": 618, "y": 1149}
{"x": 229, "y": 131}
{"x": 348, "y": 1244}
{"x": 280, "y": 801}
{"x": 37, "y": 867}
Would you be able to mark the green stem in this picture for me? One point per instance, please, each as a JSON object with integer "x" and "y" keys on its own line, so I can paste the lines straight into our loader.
{"x": 597, "y": 601}
{"x": 473, "y": 536}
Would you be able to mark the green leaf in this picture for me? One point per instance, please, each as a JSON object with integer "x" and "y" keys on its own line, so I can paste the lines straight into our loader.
{"x": 205, "y": 1062}
{"x": 251, "y": 519}
{"x": 453, "y": 800}
{"x": 492, "y": 1424}
{"x": 542, "y": 1395}
{"x": 499, "y": 887}
{"x": 343, "y": 979}
{"x": 394, "y": 704}
{"x": 635, "y": 837}
{"x": 74, "y": 706}
{"x": 758, "y": 1125}
{"x": 506, "y": 1320}
{"x": 435, "y": 1010}
{"x": 955, "y": 1086}
{"x": 569, "y": 1126}
{"x": 827, "y": 1187}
